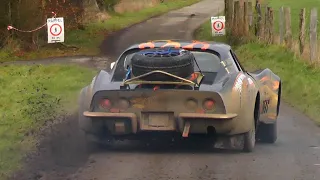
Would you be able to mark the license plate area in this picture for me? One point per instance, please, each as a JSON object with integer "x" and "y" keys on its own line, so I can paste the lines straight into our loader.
{"x": 161, "y": 121}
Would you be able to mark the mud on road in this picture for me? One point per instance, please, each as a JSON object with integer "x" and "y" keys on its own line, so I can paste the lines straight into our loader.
{"x": 60, "y": 151}
{"x": 62, "y": 155}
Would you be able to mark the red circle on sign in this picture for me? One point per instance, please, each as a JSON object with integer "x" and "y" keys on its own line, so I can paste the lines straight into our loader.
{"x": 214, "y": 25}
{"x": 59, "y": 31}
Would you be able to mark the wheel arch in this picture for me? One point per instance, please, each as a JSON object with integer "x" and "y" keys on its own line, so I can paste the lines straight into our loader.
{"x": 279, "y": 98}
{"x": 257, "y": 109}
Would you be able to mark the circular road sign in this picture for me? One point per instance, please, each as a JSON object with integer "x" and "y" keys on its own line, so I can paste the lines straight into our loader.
{"x": 218, "y": 25}
{"x": 55, "y": 30}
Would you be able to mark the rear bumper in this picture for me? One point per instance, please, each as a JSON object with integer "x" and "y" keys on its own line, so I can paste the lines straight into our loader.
{"x": 208, "y": 116}
{"x": 181, "y": 115}
{"x": 181, "y": 122}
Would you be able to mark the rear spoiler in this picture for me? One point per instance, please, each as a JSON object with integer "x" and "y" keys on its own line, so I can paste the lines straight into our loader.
{"x": 194, "y": 80}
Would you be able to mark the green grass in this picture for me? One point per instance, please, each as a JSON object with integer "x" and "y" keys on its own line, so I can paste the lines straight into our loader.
{"x": 295, "y": 6}
{"x": 29, "y": 96}
{"x": 88, "y": 40}
{"x": 300, "y": 80}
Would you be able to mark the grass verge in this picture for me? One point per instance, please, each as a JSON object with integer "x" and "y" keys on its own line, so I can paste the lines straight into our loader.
{"x": 28, "y": 96}
{"x": 88, "y": 40}
{"x": 300, "y": 80}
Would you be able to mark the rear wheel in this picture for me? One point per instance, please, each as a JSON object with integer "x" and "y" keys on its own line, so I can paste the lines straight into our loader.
{"x": 90, "y": 141}
{"x": 268, "y": 133}
{"x": 250, "y": 139}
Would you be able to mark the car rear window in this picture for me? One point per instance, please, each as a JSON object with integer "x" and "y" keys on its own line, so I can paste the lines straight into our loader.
{"x": 207, "y": 62}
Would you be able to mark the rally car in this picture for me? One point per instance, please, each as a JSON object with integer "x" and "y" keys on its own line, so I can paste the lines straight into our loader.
{"x": 181, "y": 87}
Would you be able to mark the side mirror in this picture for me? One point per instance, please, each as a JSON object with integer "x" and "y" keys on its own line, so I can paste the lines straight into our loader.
{"x": 112, "y": 64}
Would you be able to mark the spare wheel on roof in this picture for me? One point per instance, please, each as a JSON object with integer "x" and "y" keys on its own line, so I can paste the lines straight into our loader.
{"x": 178, "y": 62}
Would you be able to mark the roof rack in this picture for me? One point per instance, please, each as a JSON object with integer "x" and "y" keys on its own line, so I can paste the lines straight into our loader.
{"x": 183, "y": 81}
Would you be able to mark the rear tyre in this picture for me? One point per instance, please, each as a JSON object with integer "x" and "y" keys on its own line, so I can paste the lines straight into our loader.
{"x": 89, "y": 140}
{"x": 250, "y": 139}
{"x": 268, "y": 133}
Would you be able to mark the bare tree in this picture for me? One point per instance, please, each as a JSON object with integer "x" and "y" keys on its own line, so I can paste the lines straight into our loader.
{"x": 90, "y": 5}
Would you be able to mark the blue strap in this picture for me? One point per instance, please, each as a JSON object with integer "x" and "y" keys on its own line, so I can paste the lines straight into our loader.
{"x": 128, "y": 74}
{"x": 159, "y": 52}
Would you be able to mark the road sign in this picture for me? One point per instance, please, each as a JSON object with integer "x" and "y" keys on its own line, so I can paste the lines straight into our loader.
{"x": 218, "y": 26}
{"x": 55, "y": 30}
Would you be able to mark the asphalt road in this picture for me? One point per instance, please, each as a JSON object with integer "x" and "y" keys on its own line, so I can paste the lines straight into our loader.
{"x": 295, "y": 156}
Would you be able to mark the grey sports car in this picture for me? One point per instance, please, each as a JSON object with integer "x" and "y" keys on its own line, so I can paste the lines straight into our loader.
{"x": 183, "y": 88}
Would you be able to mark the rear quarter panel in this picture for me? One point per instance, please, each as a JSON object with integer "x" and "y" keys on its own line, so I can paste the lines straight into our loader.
{"x": 269, "y": 85}
{"x": 100, "y": 82}
{"x": 239, "y": 94}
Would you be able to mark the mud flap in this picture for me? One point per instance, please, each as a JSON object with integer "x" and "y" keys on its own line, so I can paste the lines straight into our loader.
{"x": 230, "y": 142}
{"x": 186, "y": 129}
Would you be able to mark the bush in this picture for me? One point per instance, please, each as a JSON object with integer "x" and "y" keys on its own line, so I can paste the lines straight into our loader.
{"x": 109, "y": 4}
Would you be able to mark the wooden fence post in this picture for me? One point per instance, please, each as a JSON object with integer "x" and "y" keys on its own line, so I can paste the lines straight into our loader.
{"x": 271, "y": 38}
{"x": 313, "y": 35}
{"x": 266, "y": 23}
{"x": 250, "y": 13}
{"x": 281, "y": 25}
{"x": 302, "y": 28}
{"x": 226, "y": 8}
{"x": 227, "y": 12}
{"x": 230, "y": 11}
{"x": 241, "y": 19}
{"x": 246, "y": 19}
{"x": 258, "y": 31}
{"x": 236, "y": 16}
{"x": 288, "y": 33}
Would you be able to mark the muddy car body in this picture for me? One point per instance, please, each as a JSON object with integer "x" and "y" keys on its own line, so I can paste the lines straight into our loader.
{"x": 224, "y": 100}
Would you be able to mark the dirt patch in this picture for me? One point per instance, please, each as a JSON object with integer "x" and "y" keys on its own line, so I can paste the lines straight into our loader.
{"x": 61, "y": 151}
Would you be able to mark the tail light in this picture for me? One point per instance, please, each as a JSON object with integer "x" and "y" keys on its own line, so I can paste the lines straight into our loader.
{"x": 105, "y": 103}
{"x": 191, "y": 104}
{"x": 208, "y": 104}
{"x": 123, "y": 104}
